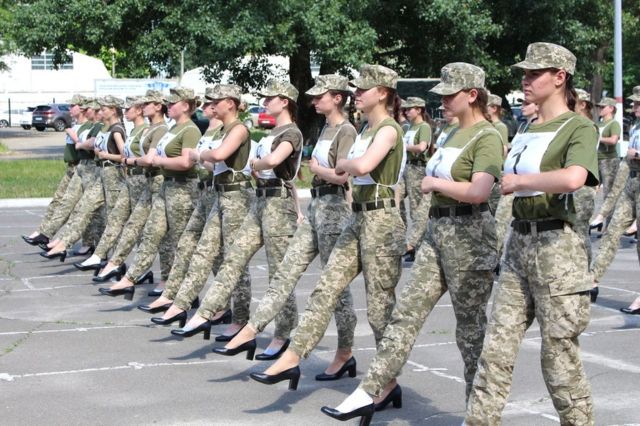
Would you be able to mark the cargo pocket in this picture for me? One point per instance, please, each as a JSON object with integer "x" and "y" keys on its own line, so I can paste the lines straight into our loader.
{"x": 568, "y": 315}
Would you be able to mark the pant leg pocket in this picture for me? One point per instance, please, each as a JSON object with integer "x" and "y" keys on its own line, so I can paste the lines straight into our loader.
{"x": 569, "y": 315}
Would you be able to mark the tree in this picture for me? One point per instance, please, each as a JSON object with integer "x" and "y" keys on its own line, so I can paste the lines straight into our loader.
{"x": 5, "y": 19}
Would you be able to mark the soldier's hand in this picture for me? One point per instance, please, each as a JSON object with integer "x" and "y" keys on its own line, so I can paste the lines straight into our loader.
{"x": 428, "y": 184}
{"x": 510, "y": 183}
{"x": 631, "y": 153}
{"x": 339, "y": 169}
{"x": 313, "y": 164}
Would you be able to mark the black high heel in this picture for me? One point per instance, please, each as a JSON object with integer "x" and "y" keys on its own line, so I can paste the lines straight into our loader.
{"x": 349, "y": 366}
{"x": 409, "y": 256}
{"x": 36, "y": 240}
{"x": 115, "y": 272}
{"x": 630, "y": 311}
{"x": 395, "y": 397}
{"x": 633, "y": 234}
{"x": 594, "y": 294}
{"x": 147, "y": 276}
{"x": 182, "y": 317}
{"x": 249, "y": 346}
{"x": 149, "y": 309}
{"x": 596, "y": 226}
{"x": 89, "y": 251}
{"x": 224, "y": 338}
{"x": 292, "y": 374}
{"x": 61, "y": 254}
{"x": 365, "y": 413}
{"x": 205, "y": 327}
{"x": 95, "y": 266}
{"x": 265, "y": 357}
{"x": 44, "y": 246}
{"x": 127, "y": 291}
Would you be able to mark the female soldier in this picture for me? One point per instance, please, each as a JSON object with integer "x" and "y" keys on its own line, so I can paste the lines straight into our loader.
{"x": 172, "y": 208}
{"x": 326, "y": 216}
{"x": 609, "y": 135}
{"x": 228, "y": 152}
{"x": 155, "y": 111}
{"x": 495, "y": 111}
{"x": 109, "y": 147}
{"x": 271, "y": 219}
{"x": 544, "y": 269}
{"x": 458, "y": 252}
{"x": 373, "y": 237}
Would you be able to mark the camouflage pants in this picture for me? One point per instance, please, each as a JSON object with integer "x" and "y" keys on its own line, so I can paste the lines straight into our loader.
{"x": 494, "y": 198}
{"x": 132, "y": 230}
{"x": 413, "y": 175}
{"x": 103, "y": 192}
{"x": 503, "y": 220}
{"x": 223, "y": 225}
{"x": 371, "y": 242}
{"x": 458, "y": 254}
{"x": 400, "y": 191}
{"x": 584, "y": 202}
{"x": 64, "y": 199}
{"x": 89, "y": 173}
{"x": 616, "y": 189}
{"x": 125, "y": 203}
{"x": 624, "y": 214}
{"x": 419, "y": 224}
{"x": 607, "y": 168}
{"x": 326, "y": 217}
{"x": 169, "y": 215}
{"x": 543, "y": 277}
{"x": 271, "y": 221}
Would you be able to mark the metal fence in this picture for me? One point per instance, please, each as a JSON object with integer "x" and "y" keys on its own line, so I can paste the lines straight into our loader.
{"x": 12, "y": 111}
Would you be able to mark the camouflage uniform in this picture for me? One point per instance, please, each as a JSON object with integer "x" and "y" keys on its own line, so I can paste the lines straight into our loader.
{"x": 544, "y": 270}
{"x": 503, "y": 220}
{"x": 611, "y": 198}
{"x": 584, "y": 202}
{"x": 608, "y": 160}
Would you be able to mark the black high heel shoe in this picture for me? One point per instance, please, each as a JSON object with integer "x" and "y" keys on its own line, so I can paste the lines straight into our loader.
{"x": 249, "y": 346}
{"x": 365, "y": 413}
{"x": 89, "y": 252}
{"x": 115, "y": 272}
{"x": 596, "y": 226}
{"x": 95, "y": 266}
{"x": 150, "y": 310}
{"x": 205, "y": 327}
{"x": 349, "y": 366}
{"x": 631, "y": 234}
{"x": 182, "y": 317}
{"x": 147, "y": 276}
{"x": 594, "y": 294}
{"x": 266, "y": 357}
{"x": 127, "y": 291}
{"x": 630, "y": 311}
{"x": 38, "y": 239}
{"x": 61, "y": 254}
{"x": 44, "y": 246}
{"x": 292, "y": 374}
{"x": 409, "y": 256}
{"x": 395, "y": 397}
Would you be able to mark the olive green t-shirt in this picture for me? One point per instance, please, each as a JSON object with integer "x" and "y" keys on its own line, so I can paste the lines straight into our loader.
{"x": 154, "y": 133}
{"x": 423, "y": 134}
{"x": 83, "y": 154}
{"x": 288, "y": 169}
{"x": 137, "y": 133}
{"x": 482, "y": 153}
{"x": 444, "y": 134}
{"x": 187, "y": 136}
{"x": 112, "y": 145}
{"x": 503, "y": 130}
{"x": 387, "y": 172}
{"x": 344, "y": 134}
{"x": 236, "y": 161}
{"x": 609, "y": 128}
{"x": 574, "y": 145}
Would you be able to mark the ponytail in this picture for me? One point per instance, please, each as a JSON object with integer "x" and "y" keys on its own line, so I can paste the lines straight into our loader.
{"x": 570, "y": 94}
{"x": 481, "y": 102}
{"x": 292, "y": 108}
{"x": 393, "y": 102}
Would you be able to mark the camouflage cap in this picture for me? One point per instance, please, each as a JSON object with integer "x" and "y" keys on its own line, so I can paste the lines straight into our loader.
{"x": 548, "y": 55}
{"x": 606, "y": 102}
{"x": 583, "y": 95}
{"x": 76, "y": 99}
{"x": 111, "y": 101}
{"x": 133, "y": 100}
{"x": 375, "y": 75}
{"x": 154, "y": 96}
{"x": 494, "y": 100}
{"x": 636, "y": 94}
{"x": 327, "y": 82}
{"x": 413, "y": 102}
{"x": 180, "y": 93}
{"x": 90, "y": 103}
{"x": 223, "y": 91}
{"x": 279, "y": 88}
{"x": 457, "y": 76}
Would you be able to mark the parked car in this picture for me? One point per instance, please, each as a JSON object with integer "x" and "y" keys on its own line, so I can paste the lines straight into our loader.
{"x": 26, "y": 118}
{"x": 266, "y": 121}
{"x": 252, "y": 119}
{"x": 56, "y": 116}
{"x": 4, "y": 117}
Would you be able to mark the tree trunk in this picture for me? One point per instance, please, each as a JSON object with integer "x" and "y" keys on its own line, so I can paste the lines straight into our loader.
{"x": 300, "y": 76}
{"x": 596, "y": 79}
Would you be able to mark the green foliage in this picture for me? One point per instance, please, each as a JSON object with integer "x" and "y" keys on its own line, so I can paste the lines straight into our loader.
{"x": 30, "y": 178}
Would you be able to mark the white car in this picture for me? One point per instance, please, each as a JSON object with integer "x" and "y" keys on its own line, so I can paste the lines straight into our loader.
{"x": 26, "y": 117}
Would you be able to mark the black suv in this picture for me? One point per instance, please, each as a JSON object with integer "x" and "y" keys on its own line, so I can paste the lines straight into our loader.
{"x": 51, "y": 115}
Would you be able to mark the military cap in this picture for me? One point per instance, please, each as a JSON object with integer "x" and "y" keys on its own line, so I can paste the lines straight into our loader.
{"x": 494, "y": 100}
{"x": 413, "y": 102}
{"x": 133, "y": 100}
{"x": 222, "y": 91}
{"x": 606, "y": 102}
{"x": 636, "y": 94}
{"x": 76, "y": 99}
{"x": 327, "y": 82}
{"x": 548, "y": 55}
{"x": 279, "y": 88}
{"x": 179, "y": 93}
{"x": 375, "y": 75}
{"x": 583, "y": 95}
{"x": 458, "y": 76}
{"x": 89, "y": 103}
{"x": 111, "y": 101}
{"x": 154, "y": 96}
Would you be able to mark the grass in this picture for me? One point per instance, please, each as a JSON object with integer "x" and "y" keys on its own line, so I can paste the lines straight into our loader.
{"x": 30, "y": 178}
{"x": 3, "y": 148}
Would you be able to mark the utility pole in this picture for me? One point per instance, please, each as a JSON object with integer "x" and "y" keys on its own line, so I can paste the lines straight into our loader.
{"x": 113, "y": 61}
{"x": 617, "y": 60}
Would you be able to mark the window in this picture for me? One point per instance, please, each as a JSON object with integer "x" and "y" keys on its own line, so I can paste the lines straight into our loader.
{"x": 45, "y": 62}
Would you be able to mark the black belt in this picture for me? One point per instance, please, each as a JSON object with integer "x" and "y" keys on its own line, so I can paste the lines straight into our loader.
{"x": 634, "y": 173}
{"x": 105, "y": 163}
{"x": 372, "y": 205}
{"x": 462, "y": 210}
{"x": 418, "y": 162}
{"x": 152, "y": 173}
{"x": 270, "y": 192}
{"x": 134, "y": 171}
{"x": 208, "y": 183}
{"x": 73, "y": 163}
{"x": 319, "y": 191}
{"x": 229, "y": 187}
{"x": 87, "y": 161}
{"x": 532, "y": 226}
{"x": 181, "y": 179}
